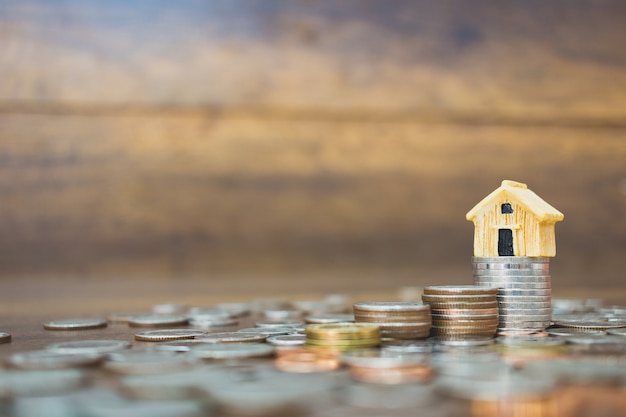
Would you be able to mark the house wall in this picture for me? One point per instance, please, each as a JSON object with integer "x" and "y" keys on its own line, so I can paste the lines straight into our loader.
{"x": 530, "y": 238}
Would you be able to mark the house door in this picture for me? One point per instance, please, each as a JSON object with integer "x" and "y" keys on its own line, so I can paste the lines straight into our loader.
{"x": 505, "y": 242}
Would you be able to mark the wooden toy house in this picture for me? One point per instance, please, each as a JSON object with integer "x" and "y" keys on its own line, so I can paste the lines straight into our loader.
{"x": 514, "y": 221}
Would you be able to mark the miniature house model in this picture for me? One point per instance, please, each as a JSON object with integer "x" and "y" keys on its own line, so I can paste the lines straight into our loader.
{"x": 514, "y": 221}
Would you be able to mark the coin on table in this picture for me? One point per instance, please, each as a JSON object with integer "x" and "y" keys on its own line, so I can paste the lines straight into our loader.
{"x": 287, "y": 340}
{"x": 170, "y": 309}
{"x": 465, "y": 342}
{"x": 147, "y": 362}
{"x": 279, "y": 324}
{"x": 392, "y": 306}
{"x": 44, "y": 359}
{"x": 89, "y": 346}
{"x": 233, "y": 337}
{"x": 168, "y": 334}
{"x": 208, "y": 322}
{"x": 231, "y": 350}
{"x": 571, "y": 331}
{"x": 592, "y": 325}
{"x": 156, "y": 320}
{"x": 181, "y": 345}
{"x": 268, "y": 331}
{"x": 75, "y": 324}
{"x": 5, "y": 337}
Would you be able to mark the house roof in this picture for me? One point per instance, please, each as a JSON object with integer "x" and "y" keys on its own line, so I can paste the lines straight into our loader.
{"x": 519, "y": 192}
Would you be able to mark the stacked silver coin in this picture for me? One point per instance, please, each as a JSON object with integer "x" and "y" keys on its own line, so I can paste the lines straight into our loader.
{"x": 524, "y": 290}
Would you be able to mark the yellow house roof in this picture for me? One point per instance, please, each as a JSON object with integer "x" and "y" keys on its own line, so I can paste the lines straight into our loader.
{"x": 519, "y": 192}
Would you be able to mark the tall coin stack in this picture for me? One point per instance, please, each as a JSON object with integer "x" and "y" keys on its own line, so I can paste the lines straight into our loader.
{"x": 462, "y": 312}
{"x": 524, "y": 290}
{"x": 397, "y": 320}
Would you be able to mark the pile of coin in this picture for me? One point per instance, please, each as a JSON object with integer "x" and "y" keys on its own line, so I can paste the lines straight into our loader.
{"x": 462, "y": 312}
{"x": 524, "y": 291}
{"x": 342, "y": 336}
{"x": 397, "y": 320}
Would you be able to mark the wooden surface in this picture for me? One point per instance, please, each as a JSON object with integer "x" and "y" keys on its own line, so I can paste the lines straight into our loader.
{"x": 303, "y": 145}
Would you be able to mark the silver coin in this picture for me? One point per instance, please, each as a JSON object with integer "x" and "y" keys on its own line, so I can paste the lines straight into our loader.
{"x": 524, "y": 317}
{"x": 522, "y": 311}
{"x": 538, "y": 273}
{"x": 5, "y": 337}
{"x": 519, "y": 286}
{"x": 503, "y": 292}
{"x": 234, "y": 337}
{"x": 511, "y": 259}
{"x": 392, "y": 306}
{"x": 180, "y": 345}
{"x": 268, "y": 331}
{"x": 207, "y": 323}
{"x": 570, "y": 331}
{"x": 147, "y": 362}
{"x": 329, "y": 318}
{"x": 44, "y": 359}
{"x": 89, "y": 346}
{"x": 494, "y": 280}
{"x": 75, "y": 324}
{"x": 376, "y": 358}
{"x": 287, "y": 340}
{"x": 523, "y": 304}
{"x": 465, "y": 342}
{"x": 408, "y": 346}
{"x": 617, "y": 332}
{"x": 459, "y": 289}
{"x": 231, "y": 351}
{"x": 523, "y": 298}
{"x": 168, "y": 334}
{"x": 155, "y": 320}
{"x": 526, "y": 326}
{"x": 601, "y": 325}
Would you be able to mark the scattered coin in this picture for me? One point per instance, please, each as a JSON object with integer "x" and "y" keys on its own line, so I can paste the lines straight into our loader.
{"x": 44, "y": 359}
{"x": 279, "y": 324}
{"x": 89, "y": 346}
{"x": 156, "y": 320}
{"x": 183, "y": 345}
{"x": 268, "y": 331}
{"x": 123, "y": 317}
{"x": 231, "y": 350}
{"x": 570, "y": 331}
{"x": 144, "y": 362}
{"x": 168, "y": 334}
{"x": 287, "y": 340}
{"x": 5, "y": 337}
{"x": 234, "y": 337}
{"x": 75, "y": 324}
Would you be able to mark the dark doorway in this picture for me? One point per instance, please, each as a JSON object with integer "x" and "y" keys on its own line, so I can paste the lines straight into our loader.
{"x": 505, "y": 242}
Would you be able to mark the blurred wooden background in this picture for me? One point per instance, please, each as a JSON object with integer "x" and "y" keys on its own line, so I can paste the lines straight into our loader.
{"x": 338, "y": 143}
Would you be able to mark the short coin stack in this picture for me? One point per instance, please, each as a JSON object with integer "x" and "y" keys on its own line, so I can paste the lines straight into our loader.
{"x": 397, "y": 320}
{"x": 524, "y": 290}
{"x": 462, "y": 312}
{"x": 342, "y": 336}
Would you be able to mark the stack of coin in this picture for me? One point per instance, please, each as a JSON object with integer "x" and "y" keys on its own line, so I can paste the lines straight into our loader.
{"x": 397, "y": 320}
{"x": 524, "y": 291}
{"x": 462, "y": 312}
{"x": 342, "y": 336}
